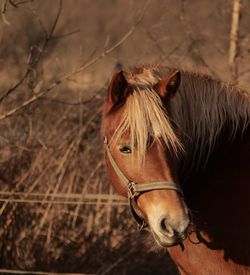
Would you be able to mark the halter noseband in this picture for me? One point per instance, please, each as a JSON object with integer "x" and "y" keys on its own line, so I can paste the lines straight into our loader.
{"x": 135, "y": 190}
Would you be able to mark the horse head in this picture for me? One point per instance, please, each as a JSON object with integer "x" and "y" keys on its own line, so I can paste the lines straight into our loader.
{"x": 141, "y": 152}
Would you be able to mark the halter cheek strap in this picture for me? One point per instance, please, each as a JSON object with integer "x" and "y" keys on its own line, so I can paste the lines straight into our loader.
{"x": 136, "y": 189}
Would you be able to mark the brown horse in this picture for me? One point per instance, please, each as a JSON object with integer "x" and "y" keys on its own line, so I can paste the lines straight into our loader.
{"x": 175, "y": 141}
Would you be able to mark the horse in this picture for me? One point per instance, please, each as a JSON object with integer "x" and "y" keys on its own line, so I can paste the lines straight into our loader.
{"x": 177, "y": 144}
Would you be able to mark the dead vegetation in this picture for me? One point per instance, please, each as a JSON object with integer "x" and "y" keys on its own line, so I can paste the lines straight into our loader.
{"x": 57, "y": 209}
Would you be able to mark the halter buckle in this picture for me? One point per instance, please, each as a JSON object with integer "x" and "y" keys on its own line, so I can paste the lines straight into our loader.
{"x": 131, "y": 190}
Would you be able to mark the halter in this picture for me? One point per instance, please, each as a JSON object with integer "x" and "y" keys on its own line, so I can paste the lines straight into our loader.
{"x": 136, "y": 189}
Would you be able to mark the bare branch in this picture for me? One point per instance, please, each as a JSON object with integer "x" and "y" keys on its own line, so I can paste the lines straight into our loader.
{"x": 78, "y": 70}
{"x": 36, "y": 55}
{"x": 17, "y": 4}
{"x": 3, "y": 12}
{"x": 66, "y": 34}
{"x": 13, "y": 88}
{"x": 56, "y": 19}
{"x": 234, "y": 38}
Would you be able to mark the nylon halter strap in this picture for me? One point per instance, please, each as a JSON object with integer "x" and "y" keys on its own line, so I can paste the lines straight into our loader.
{"x": 136, "y": 189}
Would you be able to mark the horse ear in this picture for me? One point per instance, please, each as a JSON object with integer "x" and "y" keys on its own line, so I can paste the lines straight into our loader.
{"x": 168, "y": 86}
{"x": 118, "y": 89}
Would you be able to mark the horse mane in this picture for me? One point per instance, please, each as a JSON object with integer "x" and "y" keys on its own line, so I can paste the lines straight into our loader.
{"x": 144, "y": 116}
{"x": 202, "y": 107}
{"x": 199, "y": 110}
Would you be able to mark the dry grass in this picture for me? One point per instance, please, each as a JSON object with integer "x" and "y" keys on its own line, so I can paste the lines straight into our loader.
{"x": 54, "y": 158}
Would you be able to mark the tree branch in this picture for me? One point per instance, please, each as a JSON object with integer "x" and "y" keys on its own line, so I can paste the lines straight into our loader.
{"x": 3, "y": 12}
{"x": 234, "y": 38}
{"x": 36, "y": 55}
{"x": 78, "y": 70}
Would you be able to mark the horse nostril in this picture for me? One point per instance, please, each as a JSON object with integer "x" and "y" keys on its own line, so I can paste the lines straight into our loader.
{"x": 165, "y": 228}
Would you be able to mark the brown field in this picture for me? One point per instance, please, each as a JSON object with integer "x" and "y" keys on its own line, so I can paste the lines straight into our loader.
{"x": 58, "y": 212}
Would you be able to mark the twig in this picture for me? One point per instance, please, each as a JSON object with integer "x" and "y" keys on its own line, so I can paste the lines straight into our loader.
{"x": 3, "y": 12}
{"x": 233, "y": 49}
{"x": 56, "y": 20}
{"x": 65, "y": 34}
{"x": 13, "y": 88}
{"x": 13, "y": 4}
{"x": 16, "y": 5}
{"x": 35, "y": 57}
{"x": 76, "y": 71}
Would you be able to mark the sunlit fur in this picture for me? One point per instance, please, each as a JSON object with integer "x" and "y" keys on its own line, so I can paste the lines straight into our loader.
{"x": 200, "y": 109}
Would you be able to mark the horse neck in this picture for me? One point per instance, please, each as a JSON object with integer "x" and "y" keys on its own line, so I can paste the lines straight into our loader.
{"x": 210, "y": 116}
{"x": 217, "y": 189}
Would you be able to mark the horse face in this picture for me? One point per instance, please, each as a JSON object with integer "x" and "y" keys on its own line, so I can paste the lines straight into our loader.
{"x": 164, "y": 210}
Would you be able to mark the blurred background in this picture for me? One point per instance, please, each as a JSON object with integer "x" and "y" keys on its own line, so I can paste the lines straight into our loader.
{"x": 58, "y": 212}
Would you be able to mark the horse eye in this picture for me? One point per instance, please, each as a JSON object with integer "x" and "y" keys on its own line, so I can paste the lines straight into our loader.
{"x": 125, "y": 149}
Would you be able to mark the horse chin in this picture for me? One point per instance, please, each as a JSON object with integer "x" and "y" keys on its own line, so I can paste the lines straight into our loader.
{"x": 166, "y": 242}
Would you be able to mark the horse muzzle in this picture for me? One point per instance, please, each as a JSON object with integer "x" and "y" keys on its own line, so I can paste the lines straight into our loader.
{"x": 167, "y": 234}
